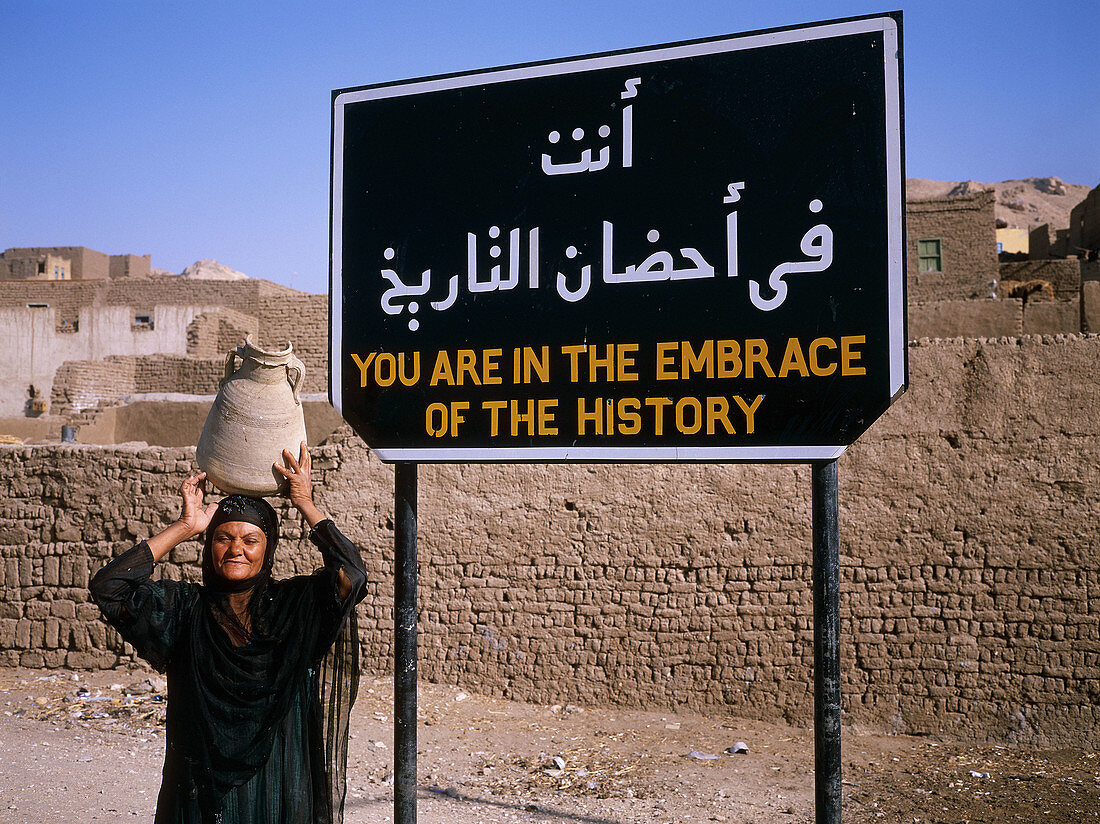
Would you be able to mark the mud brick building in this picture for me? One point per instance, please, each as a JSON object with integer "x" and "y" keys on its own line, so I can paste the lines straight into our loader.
{"x": 952, "y": 269}
{"x": 44, "y": 325}
{"x": 957, "y": 286}
{"x": 951, "y": 247}
{"x": 1084, "y": 227}
{"x": 69, "y": 263}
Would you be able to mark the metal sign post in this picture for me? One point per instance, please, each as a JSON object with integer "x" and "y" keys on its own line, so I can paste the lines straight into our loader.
{"x": 691, "y": 252}
{"x": 404, "y": 644}
{"x": 826, "y": 578}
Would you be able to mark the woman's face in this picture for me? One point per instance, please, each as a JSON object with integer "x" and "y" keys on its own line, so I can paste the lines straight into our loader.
{"x": 237, "y": 550}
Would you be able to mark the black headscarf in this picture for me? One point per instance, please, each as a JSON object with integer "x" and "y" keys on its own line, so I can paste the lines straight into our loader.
{"x": 254, "y": 511}
{"x": 250, "y": 510}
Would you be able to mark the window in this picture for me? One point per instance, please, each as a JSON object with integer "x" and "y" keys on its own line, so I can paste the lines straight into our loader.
{"x": 929, "y": 255}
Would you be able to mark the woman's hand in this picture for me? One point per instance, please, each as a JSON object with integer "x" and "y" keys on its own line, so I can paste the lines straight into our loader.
{"x": 195, "y": 517}
{"x": 193, "y": 520}
{"x": 300, "y": 483}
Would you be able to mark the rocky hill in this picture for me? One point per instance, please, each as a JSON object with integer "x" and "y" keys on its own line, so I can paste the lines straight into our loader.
{"x": 1022, "y": 204}
{"x": 208, "y": 269}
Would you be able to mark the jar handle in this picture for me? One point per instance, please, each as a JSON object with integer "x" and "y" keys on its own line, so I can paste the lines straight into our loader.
{"x": 295, "y": 380}
{"x": 230, "y": 368}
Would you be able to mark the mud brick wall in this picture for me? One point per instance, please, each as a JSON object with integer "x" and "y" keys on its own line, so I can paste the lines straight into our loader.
{"x": 191, "y": 376}
{"x": 1090, "y": 306}
{"x": 1084, "y": 224}
{"x": 1065, "y": 276}
{"x": 242, "y": 296}
{"x": 983, "y": 578}
{"x": 236, "y": 294}
{"x": 1051, "y": 317}
{"x": 81, "y": 385}
{"x": 953, "y": 318}
{"x": 130, "y": 266}
{"x": 969, "y": 573}
{"x": 214, "y": 334}
{"x": 1039, "y": 241}
{"x": 303, "y": 320}
{"x": 69, "y": 509}
{"x": 965, "y": 225}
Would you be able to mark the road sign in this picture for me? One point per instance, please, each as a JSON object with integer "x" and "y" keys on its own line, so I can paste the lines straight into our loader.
{"x": 690, "y": 252}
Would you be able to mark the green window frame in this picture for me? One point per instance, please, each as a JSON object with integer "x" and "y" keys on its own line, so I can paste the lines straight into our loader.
{"x": 930, "y": 255}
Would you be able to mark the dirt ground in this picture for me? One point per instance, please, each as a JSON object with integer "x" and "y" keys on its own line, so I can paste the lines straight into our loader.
{"x": 84, "y": 747}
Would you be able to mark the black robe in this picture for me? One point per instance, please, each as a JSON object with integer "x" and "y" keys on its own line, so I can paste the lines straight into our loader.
{"x": 256, "y": 734}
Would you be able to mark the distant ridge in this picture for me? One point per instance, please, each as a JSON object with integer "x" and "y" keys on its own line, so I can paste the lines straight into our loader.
{"x": 1021, "y": 204}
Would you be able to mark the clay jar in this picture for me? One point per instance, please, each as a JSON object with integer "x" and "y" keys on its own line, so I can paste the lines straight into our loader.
{"x": 256, "y": 415}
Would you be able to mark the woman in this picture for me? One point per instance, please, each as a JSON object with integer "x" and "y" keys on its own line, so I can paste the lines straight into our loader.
{"x": 261, "y": 673}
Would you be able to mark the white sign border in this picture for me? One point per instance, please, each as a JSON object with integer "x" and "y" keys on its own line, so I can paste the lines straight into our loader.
{"x": 895, "y": 217}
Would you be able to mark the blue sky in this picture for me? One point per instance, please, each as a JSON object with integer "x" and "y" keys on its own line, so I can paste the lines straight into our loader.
{"x": 201, "y": 129}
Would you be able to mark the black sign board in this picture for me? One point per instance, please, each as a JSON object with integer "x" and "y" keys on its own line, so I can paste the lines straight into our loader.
{"x": 690, "y": 252}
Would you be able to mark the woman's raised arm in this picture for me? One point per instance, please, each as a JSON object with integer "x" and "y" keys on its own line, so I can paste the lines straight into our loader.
{"x": 349, "y": 576}
{"x": 192, "y": 521}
